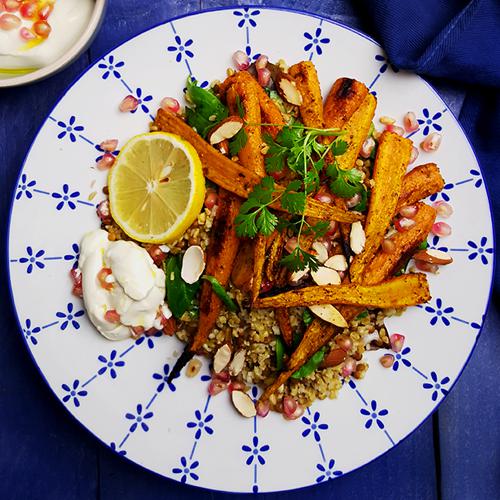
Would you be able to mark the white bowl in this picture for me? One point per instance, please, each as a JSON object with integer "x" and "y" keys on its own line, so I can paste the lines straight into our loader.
{"x": 80, "y": 45}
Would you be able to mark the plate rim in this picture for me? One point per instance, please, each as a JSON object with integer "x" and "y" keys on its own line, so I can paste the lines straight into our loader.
{"x": 79, "y": 77}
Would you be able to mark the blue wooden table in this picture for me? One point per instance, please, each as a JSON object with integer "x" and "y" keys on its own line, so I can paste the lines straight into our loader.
{"x": 45, "y": 454}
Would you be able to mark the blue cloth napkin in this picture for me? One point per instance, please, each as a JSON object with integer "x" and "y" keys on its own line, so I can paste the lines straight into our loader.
{"x": 458, "y": 41}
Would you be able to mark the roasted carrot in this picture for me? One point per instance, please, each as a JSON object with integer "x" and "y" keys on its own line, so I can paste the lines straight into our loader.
{"x": 344, "y": 98}
{"x": 242, "y": 273}
{"x": 283, "y": 319}
{"x": 259, "y": 257}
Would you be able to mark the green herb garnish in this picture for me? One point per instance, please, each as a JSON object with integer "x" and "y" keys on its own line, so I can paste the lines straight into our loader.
{"x": 280, "y": 353}
{"x": 237, "y": 142}
{"x": 180, "y": 295}
{"x": 311, "y": 365}
{"x": 221, "y": 293}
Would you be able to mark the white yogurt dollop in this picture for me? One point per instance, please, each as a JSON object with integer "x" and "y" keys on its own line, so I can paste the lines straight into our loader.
{"x": 68, "y": 21}
{"x": 138, "y": 290}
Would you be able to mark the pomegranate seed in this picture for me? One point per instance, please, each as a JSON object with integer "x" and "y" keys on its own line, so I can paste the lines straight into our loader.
{"x": 241, "y": 60}
{"x": 277, "y": 176}
{"x": 112, "y": 316}
{"x": 388, "y": 246}
{"x": 441, "y": 229}
{"x": 102, "y": 277}
{"x": 109, "y": 145}
{"x": 426, "y": 267}
{"x": 395, "y": 129}
{"x": 11, "y": 5}
{"x": 150, "y": 332}
{"x": 237, "y": 385}
{"x": 410, "y": 122}
{"x": 289, "y": 405}
{"x": 266, "y": 286}
{"x": 431, "y": 142}
{"x": 26, "y": 34}
{"x": 264, "y": 77}
{"x": 170, "y": 104}
{"x": 210, "y": 199}
{"x": 261, "y": 62}
{"x": 103, "y": 212}
{"x": 106, "y": 162}
{"x": 9, "y": 22}
{"x": 291, "y": 244}
{"x": 332, "y": 228}
{"x": 129, "y": 103}
{"x": 296, "y": 414}
{"x": 216, "y": 386}
{"x": 157, "y": 254}
{"x": 413, "y": 155}
{"x": 169, "y": 325}
{"x": 367, "y": 147}
{"x": 76, "y": 277}
{"x": 324, "y": 198}
{"x": 45, "y": 11}
{"x": 352, "y": 202}
{"x": 222, "y": 376}
{"x": 42, "y": 28}
{"x": 137, "y": 331}
{"x": 409, "y": 211}
{"x": 403, "y": 224}
{"x": 387, "y": 360}
{"x": 262, "y": 408}
{"x": 28, "y": 10}
{"x": 397, "y": 342}
{"x": 344, "y": 342}
{"x": 348, "y": 367}
{"x": 443, "y": 209}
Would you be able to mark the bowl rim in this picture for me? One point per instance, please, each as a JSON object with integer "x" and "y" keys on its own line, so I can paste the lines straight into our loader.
{"x": 76, "y": 49}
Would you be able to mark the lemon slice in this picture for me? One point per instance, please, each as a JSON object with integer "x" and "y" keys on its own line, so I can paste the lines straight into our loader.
{"x": 156, "y": 187}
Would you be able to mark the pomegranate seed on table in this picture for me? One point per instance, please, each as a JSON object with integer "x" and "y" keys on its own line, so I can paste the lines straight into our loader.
{"x": 289, "y": 405}
{"x": 241, "y": 60}
{"x": 129, "y": 104}
{"x": 296, "y": 414}
{"x": 210, "y": 199}
{"x": 410, "y": 122}
{"x": 170, "y": 104}
{"x": 441, "y": 229}
{"x": 106, "y": 162}
{"x": 45, "y": 11}
{"x": 397, "y": 342}
{"x": 387, "y": 360}
{"x": 26, "y": 34}
{"x": 431, "y": 142}
{"x": 42, "y": 28}
{"x": 103, "y": 278}
{"x": 261, "y": 62}
{"x": 388, "y": 246}
{"x": 348, "y": 367}
{"x": 427, "y": 267}
{"x": 137, "y": 331}
{"x": 222, "y": 376}
{"x": 237, "y": 385}
{"x": 263, "y": 77}
{"x": 103, "y": 212}
{"x": 403, "y": 224}
{"x": 112, "y": 316}
{"x": 443, "y": 209}
{"x": 216, "y": 386}
{"x": 367, "y": 147}
{"x": 262, "y": 408}
{"x": 9, "y": 22}
{"x": 109, "y": 145}
{"x": 395, "y": 129}
{"x": 76, "y": 277}
{"x": 413, "y": 155}
{"x": 11, "y": 5}
{"x": 409, "y": 211}
{"x": 28, "y": 10}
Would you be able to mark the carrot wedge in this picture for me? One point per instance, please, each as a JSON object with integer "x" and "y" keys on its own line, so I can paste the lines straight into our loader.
{"x": 403, "y": 291}
{"x": 383, "y": 264}
{"x": 419, "y": 183}
{"x": 232, "y": 176}
{"x": 242, "y": 273}
{"x": 344, "y": 98}
{"x": 283, "y": 319}
{"x": 259, "y": 257}
{"x": 357, "y": 128}
{"x": 306, "y": 78}
{"x": 393, "y": 155}
{"x": 221, "y": 253}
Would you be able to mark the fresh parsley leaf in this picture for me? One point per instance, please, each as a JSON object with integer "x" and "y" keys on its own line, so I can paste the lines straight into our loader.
{"x": 289, "y": 136}
{"x": 339, "y": 147}
{"x": 276, "y": 155}
{"x": 239, "y": 106}
{"x": 238, "y": 142}
{"x": 293, "y": 202}
{"x": 423, "y": 245}
{"x": 245, "y": 225}
{"x": 266, "y": 222}
{"x": 180, "y": 295}
{"x": 320, "y": 228}
{"x": 311, "y": 181}
{"x": 299, "y": 259}
{"x": 363, "y": 202}
{"x": 345, "y": 183}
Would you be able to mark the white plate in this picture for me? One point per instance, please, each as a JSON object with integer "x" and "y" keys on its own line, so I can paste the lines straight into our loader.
{"x": 117, "y": 390}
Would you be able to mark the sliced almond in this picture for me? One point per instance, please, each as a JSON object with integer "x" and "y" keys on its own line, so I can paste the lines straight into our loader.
{"x": 287, "y": 89}
{"x": 193, "y": 264}
{"x": 243, "y": 403}
{"x": 326, "y": 276}
{"x": 321, "y": 251}
{"x": 357, "y": 238}
{"x": 223, "y": 147}
{"x": 297, "y": 276}
{"x": 226, "y": 129}
{"x": 433, "y": 257}
{"x": 329, "y": 314}
{"x": 334, "y": 358}
{"x": 222, "y": 358}
{"x": 337, "y": 262}
{"x": 237, "y": 362}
